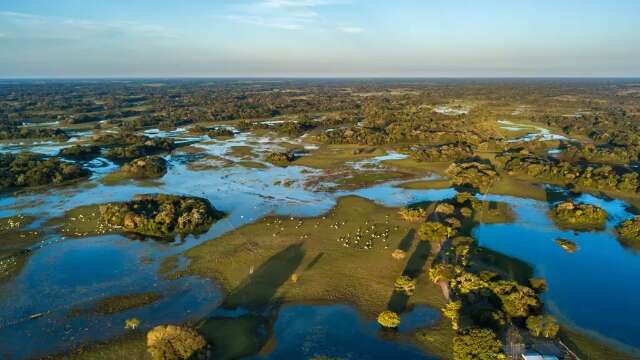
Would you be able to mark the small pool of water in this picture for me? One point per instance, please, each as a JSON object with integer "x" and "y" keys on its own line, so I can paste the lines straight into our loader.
{"x": 337, "y": 331}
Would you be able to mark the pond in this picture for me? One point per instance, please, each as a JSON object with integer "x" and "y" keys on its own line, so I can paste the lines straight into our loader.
{"x": 594, "y": 288}
{"x": 337, "y": 331}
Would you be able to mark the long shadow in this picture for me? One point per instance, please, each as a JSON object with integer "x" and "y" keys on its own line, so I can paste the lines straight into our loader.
{"x": 259, "y": 288}
{"x": 314, "y": 261}
{"x": 407, "y": 240}
{"x": 415, "y": 265}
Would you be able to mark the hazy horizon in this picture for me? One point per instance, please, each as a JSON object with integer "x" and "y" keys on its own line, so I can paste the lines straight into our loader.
{"x": 319, "y": 39}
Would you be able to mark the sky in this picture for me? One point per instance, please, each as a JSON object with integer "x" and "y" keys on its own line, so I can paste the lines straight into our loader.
{"x": 319, "y": 38}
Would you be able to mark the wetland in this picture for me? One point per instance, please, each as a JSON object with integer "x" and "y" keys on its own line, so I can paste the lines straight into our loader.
{"x": 295, "y": 219}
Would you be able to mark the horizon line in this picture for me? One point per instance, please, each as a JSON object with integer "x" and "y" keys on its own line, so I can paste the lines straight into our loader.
{"x": 309, "y": 77}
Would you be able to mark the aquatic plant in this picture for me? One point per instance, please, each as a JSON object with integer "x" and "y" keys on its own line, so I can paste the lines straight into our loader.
{"x": 131, "y": 324}
{"x": 171, "y": 342}
{"x": 281, "y": 158}
{"x": 389, "y": 319}
{"x": 568, "y": 245}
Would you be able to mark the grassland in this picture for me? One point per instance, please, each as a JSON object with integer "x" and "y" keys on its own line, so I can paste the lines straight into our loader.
{"x": 255, "y": 263}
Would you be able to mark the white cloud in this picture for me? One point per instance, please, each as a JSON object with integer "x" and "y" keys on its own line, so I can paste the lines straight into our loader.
{"x": 278, "y": 23}
{"x": 351, "y": 29}
{"x": 297, "y": 3}
{"x": 48, "y": 27}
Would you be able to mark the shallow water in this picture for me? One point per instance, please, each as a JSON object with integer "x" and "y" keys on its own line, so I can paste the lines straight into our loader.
{"x": 64, "y": 273}
{"x": 337, "y": 331}
{"x": 594, "y": 288}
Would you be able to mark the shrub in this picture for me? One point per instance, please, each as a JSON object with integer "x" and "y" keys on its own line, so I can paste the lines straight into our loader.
{"x": 413, "y": 214}
{"x": 281, "y": 158}
{"x": 389, "y": 319}
{"x": 80, "y": 152}
{"x": 146, "y": 167}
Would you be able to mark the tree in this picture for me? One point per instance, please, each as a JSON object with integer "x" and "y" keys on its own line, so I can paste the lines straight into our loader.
{"x": 452, "y": 311}
{"x": 477, "y": 344}
{"x": 405, "y": 284}
{"x": 442, "y": 272}
{"x": 433, "y": 231}
{"x": 389, "y": 319}
{"x": 468, "y": 282}
{"x": 517, "y": 300}
{"x": 543, "y": 325}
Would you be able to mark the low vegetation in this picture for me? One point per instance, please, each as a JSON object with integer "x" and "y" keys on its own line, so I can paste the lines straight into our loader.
{"x": 160, "y": 215}
{"x": 579, "y": 217}
{"x": 629, "y": 233}
{"x": 26, "y": 170}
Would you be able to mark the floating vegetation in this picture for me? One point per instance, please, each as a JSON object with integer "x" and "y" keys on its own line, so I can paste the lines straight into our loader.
{"x": 568, "y": 245}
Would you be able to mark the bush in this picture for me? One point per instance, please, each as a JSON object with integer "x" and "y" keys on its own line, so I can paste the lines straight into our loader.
{"x": 543, "y": 325}
{"x": 79, "y": 152}
{"x": 413, "y": 214}
{"x": 281, "y": 158}
{"x": 146, "y": 167}
{"x": 170, "y": 342}
{"x": 389, "y": 319}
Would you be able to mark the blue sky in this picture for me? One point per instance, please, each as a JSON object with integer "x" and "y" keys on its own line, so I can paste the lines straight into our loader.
{"x": 431, "y": 38}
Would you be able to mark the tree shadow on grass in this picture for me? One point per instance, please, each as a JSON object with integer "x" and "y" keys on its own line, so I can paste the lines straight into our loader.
{"x": 415, "y": 266}
{"x": 259, "y": 288}
{"x": 407, "y": 240}
{"x": 313, "y": 262}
